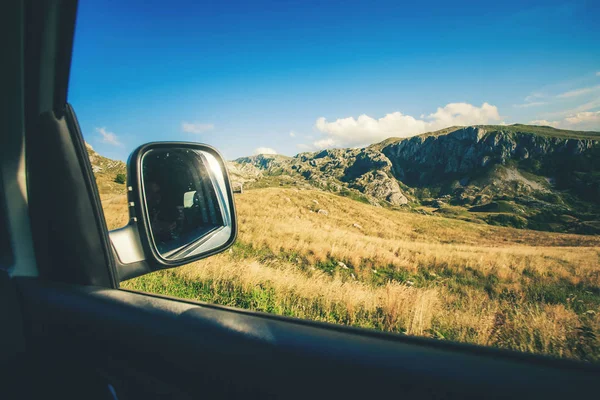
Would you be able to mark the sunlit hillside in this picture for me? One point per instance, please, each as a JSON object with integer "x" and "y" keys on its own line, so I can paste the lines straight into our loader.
{"x": 317, "y": 255}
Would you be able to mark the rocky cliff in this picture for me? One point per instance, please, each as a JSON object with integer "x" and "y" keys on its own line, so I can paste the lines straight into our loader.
{"x": 430, "y": 159}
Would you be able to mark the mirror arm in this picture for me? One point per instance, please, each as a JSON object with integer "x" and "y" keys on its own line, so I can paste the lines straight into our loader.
{"x": 128, "y": 252}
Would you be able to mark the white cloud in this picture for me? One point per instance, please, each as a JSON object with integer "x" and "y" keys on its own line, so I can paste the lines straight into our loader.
{"x": 532, "y": 104}
{"x": 533, "y": 100}
{"x": 292, "y": 134}
{"x": 556, "y": 115}
{"x": 578, "y": 92}
{"x": 196, "y": 127}
{"x": 598, "y": 73}
{"x": 586, "y": 106}
{"x": 534, "y": 96}
{"x": 264, "y": 150}
{"x": 585, "y": 117}
{"x": 325, "y": 143}
{"x": 543, "y": 122}
{"x": 108, "y": 137}
{"x": 364, "y": 130}
{"x": 587, "y": 121}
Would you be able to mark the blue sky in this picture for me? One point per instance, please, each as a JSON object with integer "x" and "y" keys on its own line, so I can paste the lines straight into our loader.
{"x": 292, "y": 76}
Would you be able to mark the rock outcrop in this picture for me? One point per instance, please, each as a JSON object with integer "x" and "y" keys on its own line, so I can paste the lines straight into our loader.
{"x": 103, "y": 165}
{"x": 427, "y": 160}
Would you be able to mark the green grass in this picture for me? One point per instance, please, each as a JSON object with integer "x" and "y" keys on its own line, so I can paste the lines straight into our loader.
{"x": 354, "y": 195}
{"x": 546, "y": 131}
{"x": 582, "y": 343}
{"x": 261, "y": 298}
{"x": 537, "y": 288}
{"x": 510, "y": 220}
{"x": 501, "y": 206}
{"x": 272, "y": 181}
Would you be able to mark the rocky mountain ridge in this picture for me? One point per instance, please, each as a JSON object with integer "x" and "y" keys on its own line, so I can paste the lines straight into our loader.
{"x": 103, "y": 165}
{"x": 106, "y": 171}
{"x": 545, "y": 178}
{"x": 423, "y": 160}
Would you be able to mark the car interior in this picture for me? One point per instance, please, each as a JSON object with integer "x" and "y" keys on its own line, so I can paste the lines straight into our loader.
{"x": 68, "y": 330}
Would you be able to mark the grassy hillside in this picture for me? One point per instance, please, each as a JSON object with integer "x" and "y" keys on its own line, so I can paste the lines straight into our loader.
{"x": 547, "y": 131}
{"x": 106, "y": 171}
{"x": 397, "y": 271}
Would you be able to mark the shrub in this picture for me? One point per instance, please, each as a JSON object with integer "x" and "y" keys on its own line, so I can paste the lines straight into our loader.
{"x": 121, "y": 178}
{"x": 514, "y": 221}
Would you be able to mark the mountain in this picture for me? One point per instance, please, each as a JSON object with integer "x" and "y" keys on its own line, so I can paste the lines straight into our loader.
{"x": 524, "y": 176}
{"x": 106, "y": 171}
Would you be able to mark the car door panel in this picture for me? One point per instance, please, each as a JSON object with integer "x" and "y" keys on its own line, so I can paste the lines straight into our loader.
{"x": 192, "y": 349}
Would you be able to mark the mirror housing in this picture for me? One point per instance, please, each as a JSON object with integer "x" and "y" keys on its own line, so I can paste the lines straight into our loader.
{"x": 181, "y": 208}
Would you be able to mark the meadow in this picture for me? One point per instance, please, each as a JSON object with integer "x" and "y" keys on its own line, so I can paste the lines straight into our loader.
{"x": 395, "y": 271}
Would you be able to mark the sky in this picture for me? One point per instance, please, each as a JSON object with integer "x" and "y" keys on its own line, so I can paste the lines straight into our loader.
{"x": 291, "y": 76}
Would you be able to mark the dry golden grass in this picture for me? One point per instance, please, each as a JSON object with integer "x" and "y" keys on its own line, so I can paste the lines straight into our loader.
{"x": 422, "y": 275}
{"x": 114, "y": 200}
{"x": 407, "y": 241}
{"x": 401, "y": 305}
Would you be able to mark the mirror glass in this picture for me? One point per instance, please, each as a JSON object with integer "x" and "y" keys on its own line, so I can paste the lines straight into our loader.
{"x": 187, "y": 201}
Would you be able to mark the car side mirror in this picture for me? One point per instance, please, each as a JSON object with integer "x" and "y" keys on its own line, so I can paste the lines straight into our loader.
{"x": 180, "y": 205}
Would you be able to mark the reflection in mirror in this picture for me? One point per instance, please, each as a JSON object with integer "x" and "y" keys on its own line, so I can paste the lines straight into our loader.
{"x": 187, "y": 202}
